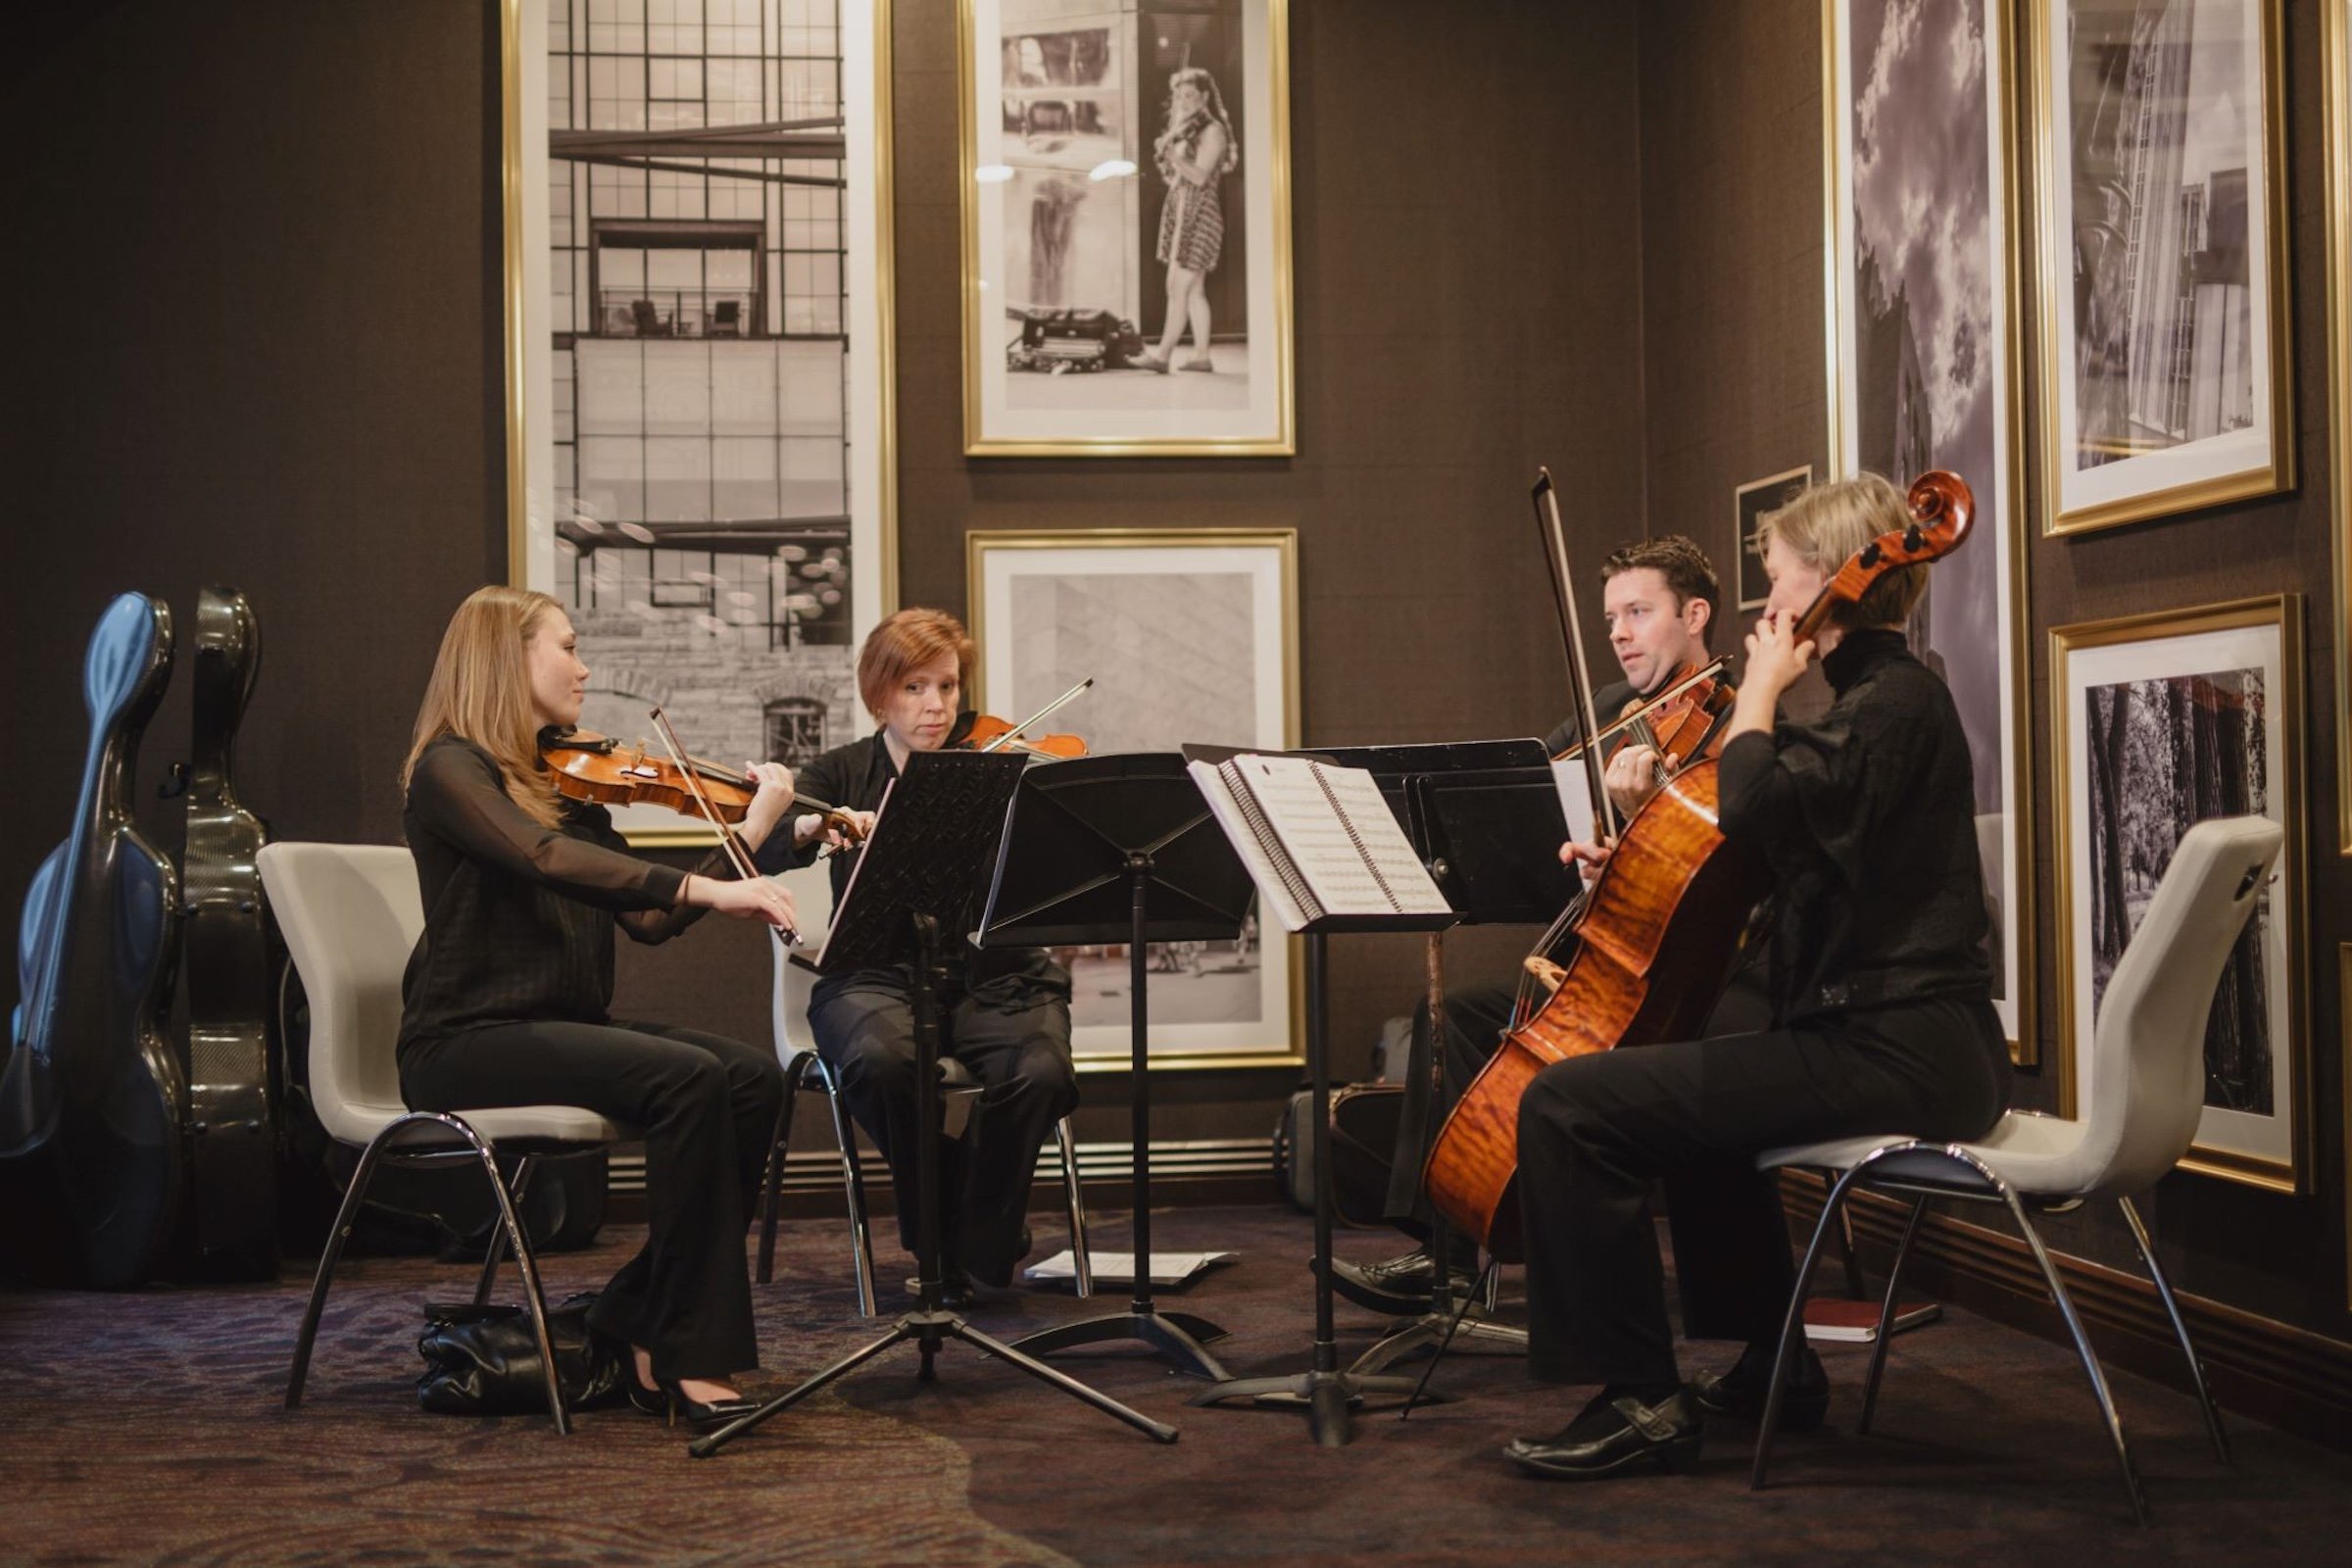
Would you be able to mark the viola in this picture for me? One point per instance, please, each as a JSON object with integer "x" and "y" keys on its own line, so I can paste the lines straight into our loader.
{"x": 587, "y": 766}
{"x": 1659, "y": 926}
{"x": 985, "y": 732}
{"x": 1684, "y": 721}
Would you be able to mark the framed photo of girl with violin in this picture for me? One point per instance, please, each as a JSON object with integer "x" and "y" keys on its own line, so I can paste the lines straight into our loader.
{"x": 1189, "y": 636}
{"x": 1925, "y": 374}
{"x": 699, "y": 377}
{"x": 1126, "y": 229}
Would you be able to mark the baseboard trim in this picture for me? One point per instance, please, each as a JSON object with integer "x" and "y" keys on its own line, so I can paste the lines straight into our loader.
{"x": 2272, "y": 1371}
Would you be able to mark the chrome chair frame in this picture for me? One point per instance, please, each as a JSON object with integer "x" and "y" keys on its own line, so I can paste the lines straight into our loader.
{"x": 1974, "y": 1181}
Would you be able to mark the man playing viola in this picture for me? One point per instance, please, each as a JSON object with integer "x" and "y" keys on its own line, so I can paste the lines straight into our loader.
{"x": 1658, "y": 599}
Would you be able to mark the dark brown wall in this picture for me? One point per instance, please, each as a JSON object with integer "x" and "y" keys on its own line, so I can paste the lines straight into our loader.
{"x": 260, "y": 347}
{"x": 1732, "y": 307}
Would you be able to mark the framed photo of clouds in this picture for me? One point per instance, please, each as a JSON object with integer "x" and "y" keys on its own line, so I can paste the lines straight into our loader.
{"x": 1125, "y": 182}
{"x": 698, "y": 264}
{"x": 2160, "y": 161}
{"x": 2159, "y": 722}
{"x": 1189, "y": 636}
{"x": 1924, "y": 374}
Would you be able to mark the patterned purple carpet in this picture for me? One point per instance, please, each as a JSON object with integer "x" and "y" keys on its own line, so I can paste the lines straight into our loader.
{"x": 147, "y": 1427}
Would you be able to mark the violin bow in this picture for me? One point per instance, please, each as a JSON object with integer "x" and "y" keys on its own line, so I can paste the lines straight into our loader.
{"x": 1012, "y": 733}
{"x": 736, "y": 853}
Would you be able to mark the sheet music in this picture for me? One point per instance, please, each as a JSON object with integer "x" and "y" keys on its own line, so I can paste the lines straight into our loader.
{"x": 1575, "y": 798}
{"x": 1273, "y": 892}
{"x": 1379, "y": 844}
{"x": 1317, "y": 840}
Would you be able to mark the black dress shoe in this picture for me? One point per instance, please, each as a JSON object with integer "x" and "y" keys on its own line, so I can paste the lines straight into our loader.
{"x": 1397, "y": 1286}
{"x": 699, "y": 1414}
{"x": 1741, "y": 1392}
{"x": 1666, "y": 1434}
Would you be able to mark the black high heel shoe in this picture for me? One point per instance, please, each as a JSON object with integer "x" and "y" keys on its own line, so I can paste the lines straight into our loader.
{"x": 700, "y": 1414}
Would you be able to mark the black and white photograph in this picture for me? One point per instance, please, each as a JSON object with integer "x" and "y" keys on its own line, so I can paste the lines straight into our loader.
{"x": 2167, "y": 727}
{"x": 1752, "y": 504}
{"x": 1188, "y": 639}
{"x": 704, "y": 388}
{"x": 1129, "y": 256}
{"x": 1925, "y": 347}
{"x": 2165, "y": 351}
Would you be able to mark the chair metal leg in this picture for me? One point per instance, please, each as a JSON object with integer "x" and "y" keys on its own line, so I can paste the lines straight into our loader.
{"x": 2171, "y": 1308}
{"x": 1857, "y": 1286}
{"x": 1792, "y": 1327}
{"x": 771, "y": 1185}
{"x": 533, "y": 1298}
{"x": 370, "y": 1158}
{"x": 1077, "y": 1204}
{"x": 498, "y": 1233}
{"x": 2091, "y": 1362}
{"x": 1894, "y": 1280}
{"x": 853, "y": 1182}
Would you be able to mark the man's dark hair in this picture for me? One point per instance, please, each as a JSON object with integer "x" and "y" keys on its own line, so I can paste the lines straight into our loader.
{"x": 1687, "y": 572}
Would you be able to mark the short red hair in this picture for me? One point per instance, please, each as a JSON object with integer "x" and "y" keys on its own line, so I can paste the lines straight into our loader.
{"x": 904, "y": 643}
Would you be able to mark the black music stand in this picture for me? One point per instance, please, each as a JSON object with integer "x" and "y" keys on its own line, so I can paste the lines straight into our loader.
{"x": 916, "y": 879}
{"x": 1325, "y": 1393}
{"x": 1110, "y": 850}
{"x": 1484, "y": 817}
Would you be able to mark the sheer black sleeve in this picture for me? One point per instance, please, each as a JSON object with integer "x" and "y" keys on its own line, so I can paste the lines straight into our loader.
{"x": 824, "y": 778}
{"x": 457, "y": 794}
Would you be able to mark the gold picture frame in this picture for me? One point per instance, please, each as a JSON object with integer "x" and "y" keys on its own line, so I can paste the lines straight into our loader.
{"x": 1059, "y": 306}
{"x": 1902, "y": 318}
{"x": 685, "y": 132}
{"x": 2169, "y": 438}
{"x": 2227, "y": 672}
{"x": 1124, "y": 607}
{"x": 2335, "y": 36}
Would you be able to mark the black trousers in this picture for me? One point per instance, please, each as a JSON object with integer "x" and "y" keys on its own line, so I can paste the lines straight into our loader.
{"x": 1013, "y": 1034}
{"x": 1597, "y": 1132}
{"x": 707, "y": 1106}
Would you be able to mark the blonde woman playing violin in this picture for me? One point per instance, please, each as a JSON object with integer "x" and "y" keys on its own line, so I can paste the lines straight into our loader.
{"x": 506, "y": 998}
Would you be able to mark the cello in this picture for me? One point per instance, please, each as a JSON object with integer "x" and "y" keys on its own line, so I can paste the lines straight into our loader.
{"x": 92, "y": 1097}
{"x": 1658, "y": 928}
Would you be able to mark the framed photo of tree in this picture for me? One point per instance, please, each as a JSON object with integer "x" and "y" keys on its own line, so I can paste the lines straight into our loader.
{"x": 2160, "y": 721}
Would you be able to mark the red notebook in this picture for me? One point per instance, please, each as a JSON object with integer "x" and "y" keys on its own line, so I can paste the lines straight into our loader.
{"x": 1833, "y": 1319}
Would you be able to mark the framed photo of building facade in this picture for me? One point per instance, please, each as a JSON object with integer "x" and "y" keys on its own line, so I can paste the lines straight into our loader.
{"x": 699, "y": 286}
{"x": 1189, "y": 636}
{"x": 2160, "y": 166}
{"x": 1924, "y": 374}
{"x": 2159, "y": 722}
{"x": 1126, "y": 227}
{"x": 1751, "y": 504}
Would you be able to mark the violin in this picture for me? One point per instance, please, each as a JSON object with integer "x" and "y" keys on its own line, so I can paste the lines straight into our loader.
{"x": 1683, "y": 722}
{"x": 1658, "y": 928}
{"x": 985, "y": 732}
{"x": 588, "y": 766}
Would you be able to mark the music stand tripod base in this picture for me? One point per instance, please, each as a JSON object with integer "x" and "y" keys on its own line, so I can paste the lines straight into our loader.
{"x": 1432, "y": 1329}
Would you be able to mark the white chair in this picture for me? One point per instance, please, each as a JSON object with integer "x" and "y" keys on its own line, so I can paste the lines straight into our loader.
{"x": 2146, "y": 1089}
{"x": 351, "y": 916}
{"x": 812, "y": 902}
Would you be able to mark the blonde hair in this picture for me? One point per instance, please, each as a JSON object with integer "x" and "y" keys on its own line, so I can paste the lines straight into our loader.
{"x": 481, "y": 691}
{"x": 904, "y": 643}
{"x": 1828, "y": 522}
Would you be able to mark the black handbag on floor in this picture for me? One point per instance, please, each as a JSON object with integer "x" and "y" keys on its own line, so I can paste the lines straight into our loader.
{"x": 484, "y": 1360}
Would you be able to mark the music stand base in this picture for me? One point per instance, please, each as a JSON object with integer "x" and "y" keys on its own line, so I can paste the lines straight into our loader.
{"x": 927, "y": 1332}
{"x": 1327, "y": 1397}
{"x": 1430, "y": 1330}
{"x": 1177, "y": 1337}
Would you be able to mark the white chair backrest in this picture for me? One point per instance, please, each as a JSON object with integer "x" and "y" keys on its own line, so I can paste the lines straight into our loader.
{"x": 351, "y": 914}
{"x": 2147, "y": 1085}
{"x": 812, "y": 888}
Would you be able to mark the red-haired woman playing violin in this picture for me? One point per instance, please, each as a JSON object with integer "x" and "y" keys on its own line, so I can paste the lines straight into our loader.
{"x": 506, "y": 998}
{"x": 1005, "y": 1012}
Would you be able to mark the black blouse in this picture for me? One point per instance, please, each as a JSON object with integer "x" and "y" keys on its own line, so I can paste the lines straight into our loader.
{"x": 1868, "y": 819}
{"x": 519, "y": 917}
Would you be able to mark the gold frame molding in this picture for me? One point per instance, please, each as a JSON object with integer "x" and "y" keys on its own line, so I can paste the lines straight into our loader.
{"x": 2007, "y": 204}
{"x": 2054, "y": 271}
{"x": 979, "y": 543}
{"x": 1284, "y": 442}
{"x": 2336, "y": 39}
{"x": 516, "y": 339}
{"x": 2283, "y": 611}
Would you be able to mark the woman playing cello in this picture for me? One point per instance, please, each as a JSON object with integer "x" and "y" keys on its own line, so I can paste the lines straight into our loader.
{"x": 1881, "y": 1013}
{"x": 505, "y": 1002}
